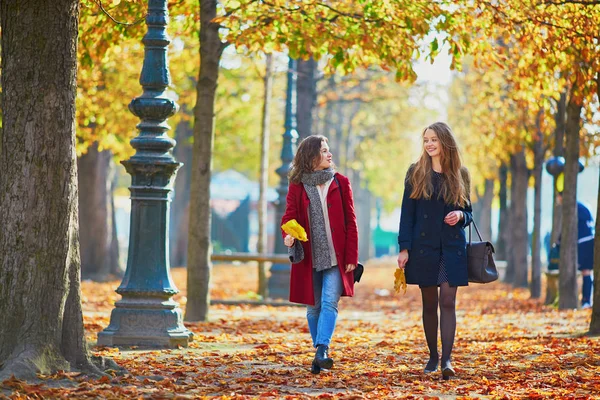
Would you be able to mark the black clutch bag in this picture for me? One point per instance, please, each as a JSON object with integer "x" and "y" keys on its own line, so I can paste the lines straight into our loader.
{"x": 358, "y": 271}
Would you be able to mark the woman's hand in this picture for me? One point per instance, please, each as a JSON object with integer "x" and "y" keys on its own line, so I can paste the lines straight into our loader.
{"x": 350, "y": 267}
{"x": 402, "y": 259}
{"x": 288, "y": 241}
{"x": 453, "y": 217}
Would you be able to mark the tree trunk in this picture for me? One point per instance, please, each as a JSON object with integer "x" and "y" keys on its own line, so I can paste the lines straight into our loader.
{"x": 180, "y": 208}
{"x": 199, "y": 248}
{"x": 263, "y": 289}
{"x": 485, "y": 211}
{"x": 559, "y": 151}
{"x": 536, "y": 262}
{"x": 567, "y": 286}
{"x": 95, "y": 180}
{"x": 503, "y": 220}
{"x": 306, "y": 96}
{"x": 518, "y": 208}
{"x": 595, "y": 322}
{"x": 40, "y": 298}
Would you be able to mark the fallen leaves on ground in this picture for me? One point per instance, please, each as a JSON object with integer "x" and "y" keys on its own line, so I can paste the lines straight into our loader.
{"x": 507, "y": 346}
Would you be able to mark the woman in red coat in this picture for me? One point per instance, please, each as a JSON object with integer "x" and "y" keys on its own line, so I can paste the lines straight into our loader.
{"x": 320, "y": 200}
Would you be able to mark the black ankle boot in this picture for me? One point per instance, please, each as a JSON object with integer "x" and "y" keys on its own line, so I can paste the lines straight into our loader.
{"x": 314, "y": 368}
{"x": 321, "y": 357}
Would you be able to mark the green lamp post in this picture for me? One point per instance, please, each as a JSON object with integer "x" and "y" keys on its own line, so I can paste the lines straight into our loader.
{"x": 147, "y": 315}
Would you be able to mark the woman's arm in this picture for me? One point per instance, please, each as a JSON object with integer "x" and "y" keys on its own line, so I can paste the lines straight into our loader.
{"x": 407, "y": 216}
{"x": 291, "y": 209}
{"x": 351, "y": 226}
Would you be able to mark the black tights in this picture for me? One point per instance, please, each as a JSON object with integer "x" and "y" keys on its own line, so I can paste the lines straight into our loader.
{"x": 447, "y": 301}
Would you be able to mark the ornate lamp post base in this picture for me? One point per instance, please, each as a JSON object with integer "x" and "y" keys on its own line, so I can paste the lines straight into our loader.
{"x": 146, "y": 322}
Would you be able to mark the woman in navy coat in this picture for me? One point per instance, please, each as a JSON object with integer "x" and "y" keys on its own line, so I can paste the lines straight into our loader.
{"x": 435, "y": 210}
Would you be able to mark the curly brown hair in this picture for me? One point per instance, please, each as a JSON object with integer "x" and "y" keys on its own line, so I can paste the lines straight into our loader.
{"x": 455, "y": 187}
{"x": 307, "y": 155}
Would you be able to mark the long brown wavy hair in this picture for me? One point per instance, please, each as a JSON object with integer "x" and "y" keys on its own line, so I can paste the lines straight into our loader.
{"x": 455, "y": 185}
{"x": 307, "y": 155}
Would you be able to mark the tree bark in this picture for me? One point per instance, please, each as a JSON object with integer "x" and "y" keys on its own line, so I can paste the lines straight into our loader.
{"x": 567, "y": 286}
{"x": 199, "y": 247}
{"x": 518, "y": 208}
{"x": 536, "y": 262}
{"x": 306, "y": 97}
{"x": 96, "y": 216}
{"x": 559, "y": 151}
{"x": 263, "y": 289}
{"x": 595, "y": 322}
{"x": 40, "y": 304}
{"x": 485, "y": 210}
{"x": 503, "y": 221}
{"x": 180, "y": 209}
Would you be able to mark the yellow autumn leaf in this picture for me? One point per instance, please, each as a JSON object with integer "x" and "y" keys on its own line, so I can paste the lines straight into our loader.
{"x": 399, "y": 281}
{"x": 295, "y": 230}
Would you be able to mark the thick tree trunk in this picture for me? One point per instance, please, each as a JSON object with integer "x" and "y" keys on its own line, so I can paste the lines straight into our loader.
{"x": 503, "y": 220}
{"x": 595, "y": 322}
{"x": 199, "y": 248}
{"x": 263, "y": 289}
{"x": 536, "y": 262}
{"x": 567, "y": 286}
{"x": 180, "y": 207}
{"x": 42, "y": 323}
{"x": 518, "y": 208}
{"x": 96, "y": 215}
{"x": 306, "y": 97}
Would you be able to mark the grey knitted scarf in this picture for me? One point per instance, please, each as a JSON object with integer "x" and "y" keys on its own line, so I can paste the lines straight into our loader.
{"x": 318, "y": 234}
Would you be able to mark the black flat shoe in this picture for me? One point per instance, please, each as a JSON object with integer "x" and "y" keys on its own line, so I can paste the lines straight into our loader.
{"x": 448, "y": 372}
{"x": 431, "y": 366}
{"x": 314, "y": 368}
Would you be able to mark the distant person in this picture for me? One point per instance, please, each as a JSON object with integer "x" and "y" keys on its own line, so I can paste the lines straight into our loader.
{"x": 585, "y": 250}
{"x": 320, "y": 200}
{"x": 433, "y": 250}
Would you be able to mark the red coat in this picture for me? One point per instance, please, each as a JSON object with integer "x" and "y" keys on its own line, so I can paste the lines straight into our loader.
{"x": 345, "y": 237}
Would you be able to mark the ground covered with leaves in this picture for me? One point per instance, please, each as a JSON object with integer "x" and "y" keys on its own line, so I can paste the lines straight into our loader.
{"x": 507, "y": 346}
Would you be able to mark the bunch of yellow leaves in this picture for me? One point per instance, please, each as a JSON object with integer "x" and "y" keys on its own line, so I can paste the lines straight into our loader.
{"x": 399, "y": 281}
{"x": 295, "y": 230}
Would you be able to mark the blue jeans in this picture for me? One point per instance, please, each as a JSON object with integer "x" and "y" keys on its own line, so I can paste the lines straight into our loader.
{"x": 322, "y": 316}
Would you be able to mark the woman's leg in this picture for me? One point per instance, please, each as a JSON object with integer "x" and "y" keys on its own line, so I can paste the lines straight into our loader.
{"x": 447, "y": 320}
{"x": 331, "y": 292}
{"x": 430, "y": 324}
{"x": 313, "y": 312}
{"x": 586, "y": 288}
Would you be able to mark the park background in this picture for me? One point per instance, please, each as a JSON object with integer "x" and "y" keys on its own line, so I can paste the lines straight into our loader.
{"x": 522, "y": 96}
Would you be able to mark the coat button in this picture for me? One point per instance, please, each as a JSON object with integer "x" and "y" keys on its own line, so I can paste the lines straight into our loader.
{"x": 328, "y": 205}
{"x": 425, "y": 216}
{"x": 456, "y": 236}
{"x": 332, "y": 230}
{"x": 421, "y": 251}
{"x": 459, "y": 252}
{"x": 422, "y": 233}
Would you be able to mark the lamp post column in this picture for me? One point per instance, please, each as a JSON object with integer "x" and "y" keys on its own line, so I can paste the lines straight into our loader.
{"x": 280, "y": 273}
{"x": 147, "y": 315}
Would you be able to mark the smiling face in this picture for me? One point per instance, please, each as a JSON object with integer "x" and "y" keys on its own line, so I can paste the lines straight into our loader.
{"x": 431, "y": 143}
{"x": 325, "y": 158}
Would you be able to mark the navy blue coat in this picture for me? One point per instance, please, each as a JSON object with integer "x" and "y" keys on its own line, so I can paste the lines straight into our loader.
{"x": 585, "y": 236}
{"x": 425, "y": 235}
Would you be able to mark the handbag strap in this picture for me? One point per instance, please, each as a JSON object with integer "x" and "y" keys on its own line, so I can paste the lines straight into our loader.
{"x": 476, "y": 230}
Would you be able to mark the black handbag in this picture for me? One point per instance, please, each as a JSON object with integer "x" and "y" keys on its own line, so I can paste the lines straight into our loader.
{"x": 358, "y": 271}
{"x": 480, "y": 261}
